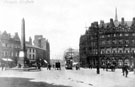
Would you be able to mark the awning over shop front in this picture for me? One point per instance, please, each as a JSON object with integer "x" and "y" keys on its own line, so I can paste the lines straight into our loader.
{"x": 45, "y": 61}
{"x": 7, "y": 59}
{"x": 75, "y": 63}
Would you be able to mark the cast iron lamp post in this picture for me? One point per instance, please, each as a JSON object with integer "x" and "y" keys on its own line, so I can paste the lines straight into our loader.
{"x": 98, "y": 49}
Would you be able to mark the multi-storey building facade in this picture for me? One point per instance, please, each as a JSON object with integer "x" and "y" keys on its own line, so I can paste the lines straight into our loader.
{"x": 112, "y": 42}
{"x": 34, "y": 53}
{"x": 9, "y": 47}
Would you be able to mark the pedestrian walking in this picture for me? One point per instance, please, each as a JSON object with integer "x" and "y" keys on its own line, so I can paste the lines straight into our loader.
{"x": 90, "y": 66}
{"x": 2, "y": 66}
{"x": 53, "y": 66}
{"x": 107, "y": 66}
{"x": 38, "y": 66}
{"x": 104, "y": 66}
{"x": 125, "y": 70}
{"x": 49, "y": 67}
{"x": 76, "y": 67}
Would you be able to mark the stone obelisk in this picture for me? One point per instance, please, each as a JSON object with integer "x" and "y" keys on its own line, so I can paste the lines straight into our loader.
{"x": 23, "y": 37}
{"x": 22, "y": 55}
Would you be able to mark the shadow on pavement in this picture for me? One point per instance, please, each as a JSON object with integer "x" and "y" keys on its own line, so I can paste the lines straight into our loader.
{"x": 24, "y": 82}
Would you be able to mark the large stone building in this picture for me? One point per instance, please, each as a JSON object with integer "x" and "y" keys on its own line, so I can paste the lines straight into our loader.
{"x": 112, "y": 42}
{"x": 9, "y": 47}
{"x": 34, "y": 53}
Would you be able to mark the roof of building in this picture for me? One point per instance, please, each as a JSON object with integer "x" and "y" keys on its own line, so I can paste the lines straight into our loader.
{"x": 8, "y": 36}
{"x": 116, "y": 23}
{"x": 28, "y": 45}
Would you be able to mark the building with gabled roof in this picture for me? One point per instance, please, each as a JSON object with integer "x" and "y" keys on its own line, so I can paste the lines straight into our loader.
{"x": 9, "y": 47}
{"x": 115, "y": 42}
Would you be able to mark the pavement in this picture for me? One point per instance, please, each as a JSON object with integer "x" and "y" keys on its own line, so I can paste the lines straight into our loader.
{"x": 66, "y": 78}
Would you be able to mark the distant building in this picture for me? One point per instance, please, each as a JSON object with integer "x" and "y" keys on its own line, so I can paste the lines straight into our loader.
{"x": 115, "y": 43}
{"x": 73, "y": 54}
{"x": 43, "y": 43}
{"x": 39, "y": 41}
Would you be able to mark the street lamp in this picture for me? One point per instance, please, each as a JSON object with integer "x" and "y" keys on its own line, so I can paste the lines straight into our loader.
{"x": 98, "y": 48}
{"x": 132, "y": 63}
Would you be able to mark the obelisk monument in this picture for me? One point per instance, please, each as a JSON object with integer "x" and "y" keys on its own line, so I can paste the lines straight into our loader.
{"x": 22, "y": 54}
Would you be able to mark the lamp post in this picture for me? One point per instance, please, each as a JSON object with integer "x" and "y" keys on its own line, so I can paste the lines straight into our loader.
{"x": 134, "y": 64}
{"x": 7, "y": 64}
{"x": 98, "y": 48}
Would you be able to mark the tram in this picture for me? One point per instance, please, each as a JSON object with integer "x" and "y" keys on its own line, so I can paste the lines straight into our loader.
{"x": 69, "y": 63}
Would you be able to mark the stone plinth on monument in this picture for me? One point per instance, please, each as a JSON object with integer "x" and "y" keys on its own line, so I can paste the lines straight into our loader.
{"x": 21, "y": 58}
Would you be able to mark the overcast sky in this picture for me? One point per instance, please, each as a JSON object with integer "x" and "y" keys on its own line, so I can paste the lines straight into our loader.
{"x": 62, "y": 22}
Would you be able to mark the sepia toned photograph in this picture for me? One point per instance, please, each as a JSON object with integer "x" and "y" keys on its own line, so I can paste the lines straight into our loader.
{"x": 67, "y": 43}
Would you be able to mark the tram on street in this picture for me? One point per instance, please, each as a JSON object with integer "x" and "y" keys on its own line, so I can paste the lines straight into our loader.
{"x": 69, "y": 64}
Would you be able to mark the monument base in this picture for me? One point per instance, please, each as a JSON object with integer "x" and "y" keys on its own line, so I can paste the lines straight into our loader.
{"x": 20, "y": 63}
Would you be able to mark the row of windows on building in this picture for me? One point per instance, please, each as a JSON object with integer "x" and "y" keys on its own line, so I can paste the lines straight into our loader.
{"x": 31, "y": 56}
{"x": 9, "y": 54}
{"x": 111, "y": 42}
{"x": 117, "y": 42}
{"x": 93, "y": 44}
{"x": 10, "y": 45}
{"x": 16, "y": 54}
{"x": 31, "y": 53}
{"x": 91, "y": 37}
{"x": 117, "y": 35}
{"x": 119, "y": 28}
{"x": 114, "y": 50}
{"x": 31, "y": 50}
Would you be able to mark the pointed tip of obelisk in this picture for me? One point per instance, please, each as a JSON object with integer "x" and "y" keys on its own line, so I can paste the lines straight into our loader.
{"x": 23, "y": 19}
{"x": 116, "y": 16}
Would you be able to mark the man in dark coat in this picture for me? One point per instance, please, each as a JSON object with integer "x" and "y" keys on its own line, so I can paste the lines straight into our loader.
{"x": 125, "y": 69}
{"x": 2, "y": 65}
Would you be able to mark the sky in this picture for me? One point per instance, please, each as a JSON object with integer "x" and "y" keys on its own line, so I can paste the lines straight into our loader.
{"x": 62, "y": 22}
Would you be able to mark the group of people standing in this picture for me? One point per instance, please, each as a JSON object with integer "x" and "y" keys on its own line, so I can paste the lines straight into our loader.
{"x": 125, "y": 68}
{"x": 3, "y": 66}
{"x": 111, "y": 66}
